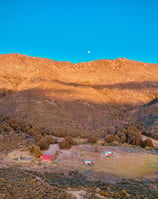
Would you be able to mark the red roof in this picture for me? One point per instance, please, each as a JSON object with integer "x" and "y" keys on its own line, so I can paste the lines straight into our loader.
{"x": 47, "y": 157}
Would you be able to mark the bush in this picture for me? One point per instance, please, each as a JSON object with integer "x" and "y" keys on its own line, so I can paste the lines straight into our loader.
{"x": 64, "y": 145}
{"x": 92, "y": 140}
{"x": 35, "y": 133}
{"x": 45, "y": 142}
{"x": 104, "y": 193}
{"x": 142, "y": 144}
{"x": 155, "y": 136}
{"x": 123, "y": 139}
{"x": 5, "y": 127}
{"x": 61, "y": 134}
{"x": 43, "y": 131}
{"x": 14, "y": 124}
{"x": 130, "y": 134}
{"x": 37, "y": 136}
{"x": 35, "y": 150}
{"x": 148, "y": 143}
{"x": 109, "y": 138}
{"x": 138, "y": 141}
{"x": 116, "y": 138}
{"x": 25, "y": 127}
{"x": 115, "y": 143}
{"x": 49, "y": 139}
{"x": 69, "y": 139}
{"x": 31, "y": 149}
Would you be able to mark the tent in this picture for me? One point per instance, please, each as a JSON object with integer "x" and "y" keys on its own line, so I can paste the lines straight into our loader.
{"x": 88, "y": 163}
{"x": 47, "y": 157}
{"x": 107, "y": 153}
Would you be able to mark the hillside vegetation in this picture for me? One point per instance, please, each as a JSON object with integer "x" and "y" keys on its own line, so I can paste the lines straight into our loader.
{"x": 81, "y": 99}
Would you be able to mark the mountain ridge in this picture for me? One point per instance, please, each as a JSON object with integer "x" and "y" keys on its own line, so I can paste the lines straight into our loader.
{"x": 36, "y": 57}
{"x": 88, "y": 96}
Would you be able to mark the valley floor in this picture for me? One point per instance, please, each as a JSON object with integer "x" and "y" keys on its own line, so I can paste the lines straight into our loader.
{"x": 127, "y": 167}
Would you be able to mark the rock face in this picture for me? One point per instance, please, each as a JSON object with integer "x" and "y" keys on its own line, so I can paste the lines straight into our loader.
{"x": 79, "y": 98}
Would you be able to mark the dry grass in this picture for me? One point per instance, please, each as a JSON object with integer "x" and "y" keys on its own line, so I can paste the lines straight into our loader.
{"x": 128, "y": 165}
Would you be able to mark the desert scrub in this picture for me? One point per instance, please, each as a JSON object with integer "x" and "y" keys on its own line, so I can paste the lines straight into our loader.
{"x": 54, "y": 185}
{"x": 44, "y": 142}
{"x": 15, "y": 184}
{"x": 65, "y": 144}
{"x": 92, "y": 140}
{"x": 130, "y": 134}
{"x": 35, "y": 151}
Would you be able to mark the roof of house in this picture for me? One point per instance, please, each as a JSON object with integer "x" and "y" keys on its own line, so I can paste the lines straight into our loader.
{"x": 47, "y": 157}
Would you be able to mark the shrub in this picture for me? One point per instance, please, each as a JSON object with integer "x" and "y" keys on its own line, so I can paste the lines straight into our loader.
{"x": 14, "y": 124}
{"x": 104, "y": 193}
{"x": 37, "y": 136}
{"x": 69, "y": 139}
{"x": 109, "y": 138}
{"x": 31, "y": 149}
{"x": 64, "y": 145}
{"x": 133, "y": 135}
{"x": 125, "y": 193}
{"x": 115, "y": 143}
{"x": 43, "y": 131}
{"x": 44, "y": 142}
{"x": 155, "y": 136}
{"x": 116, "y": 138}
{"x": 148, "y": 143}
{"x": 25, "y": 127}
{"x": 123, "y": 139}
{"x": 61, "y": 134}
{"x": 116, "y": 195}
{"x": 92, "y": 140}
{"x": 142, "y": 144}
{"x": 35, "y": 150}
{"x": 49, "y": 139}
{"x": 130, "y": 134}
{"x": 5, "y": 127}
{"x": 138, "y": 141}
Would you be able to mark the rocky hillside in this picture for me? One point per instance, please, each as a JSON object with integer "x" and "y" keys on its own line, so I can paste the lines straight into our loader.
{"x": 79, "y": 98}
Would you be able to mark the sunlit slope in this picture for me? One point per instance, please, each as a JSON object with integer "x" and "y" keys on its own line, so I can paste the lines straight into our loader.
{"x": 83, "y": 97}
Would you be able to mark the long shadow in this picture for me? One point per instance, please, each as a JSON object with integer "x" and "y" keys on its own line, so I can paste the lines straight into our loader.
{"x": 128, "y": 85}
{"x": 74, "y": 116}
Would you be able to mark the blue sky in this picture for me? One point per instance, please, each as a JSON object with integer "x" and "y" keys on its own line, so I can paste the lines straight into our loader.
{"x": 66, "y": 30}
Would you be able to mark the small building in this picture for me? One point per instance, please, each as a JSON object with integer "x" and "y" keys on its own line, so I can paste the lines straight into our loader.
{"x": 47, "y": 157}
{"x": 88, "y": 163}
